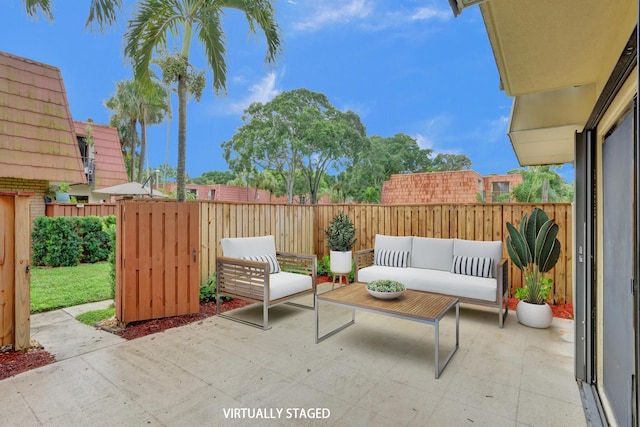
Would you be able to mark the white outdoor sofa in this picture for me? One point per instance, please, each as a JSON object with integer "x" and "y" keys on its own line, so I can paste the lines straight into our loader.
{"x": 252, "y": 270}
{"x": 445, "y": 266}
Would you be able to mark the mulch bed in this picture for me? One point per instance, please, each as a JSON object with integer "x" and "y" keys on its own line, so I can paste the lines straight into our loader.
{"x": 14, "y": 362}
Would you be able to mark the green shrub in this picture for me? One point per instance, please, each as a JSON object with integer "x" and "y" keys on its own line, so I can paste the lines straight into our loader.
{"x": 62, "y": 241}
{"x": 109, "y": 229}
{"x": 95, "y": 241}
{"x": 56, "y": 242}
{"x": 208, "y": 290}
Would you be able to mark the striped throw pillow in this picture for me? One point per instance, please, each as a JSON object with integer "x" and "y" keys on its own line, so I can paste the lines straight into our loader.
{"x": 472, "y": 266}
{"x": 274, "y": 266}
{"x": 390, "y": 258}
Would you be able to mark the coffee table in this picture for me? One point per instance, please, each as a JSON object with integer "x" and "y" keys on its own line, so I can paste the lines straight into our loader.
{"x": 417, "y": 306}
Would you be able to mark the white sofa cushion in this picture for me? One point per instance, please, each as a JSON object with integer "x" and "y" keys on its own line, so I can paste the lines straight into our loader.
{"x": 284, "y": 284}
{"x": 238, "y": 247}
{"x": 475, "y": 248}
{"x": 442, "y": 282}
{"x": 433, "y": 253}
{"x": 391, "y": 243}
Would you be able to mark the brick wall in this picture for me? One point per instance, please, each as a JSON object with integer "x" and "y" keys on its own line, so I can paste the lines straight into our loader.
{"x": 432, "y": 187}
{"x": 442, "y": 187}
{"x": 37, "y": 187}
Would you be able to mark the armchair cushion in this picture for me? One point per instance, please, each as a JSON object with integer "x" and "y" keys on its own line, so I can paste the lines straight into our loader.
{"x": 238, "y": 247}
{"x": 284, "y": 284}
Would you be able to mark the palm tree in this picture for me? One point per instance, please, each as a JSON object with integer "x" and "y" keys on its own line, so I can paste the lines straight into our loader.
{"x": 153, "y": 103}
{"x": 126, "y": 107}
{"x": 103, "y": 12}
{"x": 156, "y": 20}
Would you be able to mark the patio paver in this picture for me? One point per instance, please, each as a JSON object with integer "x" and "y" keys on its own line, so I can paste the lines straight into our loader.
{"x": 196, "y": 374}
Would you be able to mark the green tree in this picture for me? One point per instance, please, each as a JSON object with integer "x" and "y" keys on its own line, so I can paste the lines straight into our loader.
{"x": 298, "y": 131}
{"x": 214, "y": 177}
{"x": 126, "y": 108}
{"x": 155, "y": 20}
{"x": 385, "y": 157}
{"x": 153, "y": 107}
{"x": 450, "y": 162}
{"x": 102, "y": 12}
{"x": 542, "y": 184}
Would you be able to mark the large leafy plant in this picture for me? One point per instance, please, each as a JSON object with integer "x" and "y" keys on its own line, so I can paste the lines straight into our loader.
{"x": 535, "y": 250}
{"x": 341, "y": 234}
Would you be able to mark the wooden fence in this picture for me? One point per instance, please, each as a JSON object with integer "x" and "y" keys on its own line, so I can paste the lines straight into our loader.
{"x": 301, "y": 229}
{"x": 87, "y": 209}
{"x": 15, "y": 232}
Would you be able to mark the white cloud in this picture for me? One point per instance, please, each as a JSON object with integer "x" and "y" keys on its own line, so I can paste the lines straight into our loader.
{"x": 423, "y": 141}
{"x": 429, "y": 13}
{"x": 497, "y": 129}
{"x": 263, "y": 91}
{"x": 329, "y": 12}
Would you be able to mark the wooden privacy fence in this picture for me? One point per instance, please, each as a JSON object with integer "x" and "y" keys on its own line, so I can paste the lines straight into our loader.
{"x": 15, "y": 239}
{"x": 157, "y": 259}
{"x": 301, "y": 229}
{"x": 87, "y": 209}
{"x": 165, "y": 249}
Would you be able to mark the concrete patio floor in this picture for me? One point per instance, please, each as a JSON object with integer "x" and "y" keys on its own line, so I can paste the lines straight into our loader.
{"x": 377, "y": 372}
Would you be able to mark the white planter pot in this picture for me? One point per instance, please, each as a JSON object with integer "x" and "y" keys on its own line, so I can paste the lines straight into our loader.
{"x": 534, "y": 315}
{"x": 340, "y": 262}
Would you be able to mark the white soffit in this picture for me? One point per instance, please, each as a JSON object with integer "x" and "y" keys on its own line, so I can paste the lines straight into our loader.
{"x": 542, "y": 125}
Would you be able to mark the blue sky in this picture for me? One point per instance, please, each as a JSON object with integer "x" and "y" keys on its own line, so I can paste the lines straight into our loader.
{"x": 404, "y": 66}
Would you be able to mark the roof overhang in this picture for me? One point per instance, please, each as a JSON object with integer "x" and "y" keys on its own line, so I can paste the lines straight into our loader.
{"x": 542, "y": 126}
{"x": 554, "y": 58}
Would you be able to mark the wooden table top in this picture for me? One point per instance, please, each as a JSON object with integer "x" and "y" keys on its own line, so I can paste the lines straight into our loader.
{"x": 415, "y": 304}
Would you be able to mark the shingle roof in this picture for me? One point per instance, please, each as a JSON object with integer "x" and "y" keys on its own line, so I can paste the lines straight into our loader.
{"x": 37, "y": 140}
{"x": 110, "y": 169}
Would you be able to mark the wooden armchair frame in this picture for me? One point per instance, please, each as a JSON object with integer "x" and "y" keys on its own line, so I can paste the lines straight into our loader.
{"x": 250, "y": 281}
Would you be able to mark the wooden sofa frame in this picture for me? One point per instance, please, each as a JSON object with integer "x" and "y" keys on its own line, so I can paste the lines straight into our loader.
{"x": 249, "y": 281}
{"x": 365, "y": 258}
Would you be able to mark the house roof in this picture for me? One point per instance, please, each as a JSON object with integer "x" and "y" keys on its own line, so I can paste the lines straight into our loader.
{"x": 110, "y": 168}
{"x": 554, "y": 58}
{"x": 37, "y": 140}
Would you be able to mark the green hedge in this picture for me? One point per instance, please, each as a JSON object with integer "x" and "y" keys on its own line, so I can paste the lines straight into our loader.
{"x": 68, "y": 241}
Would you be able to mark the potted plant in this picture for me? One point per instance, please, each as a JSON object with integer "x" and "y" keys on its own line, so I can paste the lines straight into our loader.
{"x": 341, "y": 236}
{"x": 534, "y": 249}
{"x": 62, "y": 194}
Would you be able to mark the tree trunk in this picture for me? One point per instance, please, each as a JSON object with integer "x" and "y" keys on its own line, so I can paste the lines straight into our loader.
{"x": 134, "y": 137}
{"x": 182, "y": 137}
{"x": 143, "y": 147}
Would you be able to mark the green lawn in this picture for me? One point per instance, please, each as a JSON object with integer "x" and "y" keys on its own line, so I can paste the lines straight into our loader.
{"x": 59, "y": 287}
{"x": 92, "y": 317}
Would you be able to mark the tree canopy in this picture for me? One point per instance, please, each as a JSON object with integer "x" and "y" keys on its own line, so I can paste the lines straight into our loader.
{"x": 297, "y": 132}
{"x": 542, "y": 184}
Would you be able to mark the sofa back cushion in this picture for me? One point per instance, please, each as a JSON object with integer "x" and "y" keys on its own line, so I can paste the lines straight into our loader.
{"x": 432, "y": 253}
{"x": 239, "y": 247}
{"x": 479, "y": 249}
{"x": 392, "y": 244}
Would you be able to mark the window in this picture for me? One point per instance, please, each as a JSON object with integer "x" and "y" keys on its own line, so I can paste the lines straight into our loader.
{"x": 500, "y": 192}
{"x": 212, "y": 194}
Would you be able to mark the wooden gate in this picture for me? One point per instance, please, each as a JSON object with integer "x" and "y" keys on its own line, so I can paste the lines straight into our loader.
{"x": 157, "y": 259}
{"x": 15, "y": 242}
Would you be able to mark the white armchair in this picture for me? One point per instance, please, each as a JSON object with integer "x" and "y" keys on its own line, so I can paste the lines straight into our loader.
{"x": 252, "y": 270}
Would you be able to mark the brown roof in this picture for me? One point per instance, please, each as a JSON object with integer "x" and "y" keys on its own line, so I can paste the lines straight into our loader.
{"x": 36, "y": 134}
{"x": 110, "y": 169}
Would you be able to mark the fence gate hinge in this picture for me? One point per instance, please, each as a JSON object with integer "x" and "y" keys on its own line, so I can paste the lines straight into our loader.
{"x": 194, "y": 255}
